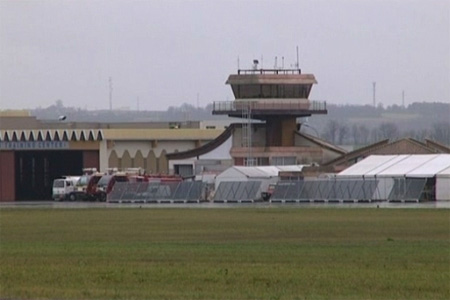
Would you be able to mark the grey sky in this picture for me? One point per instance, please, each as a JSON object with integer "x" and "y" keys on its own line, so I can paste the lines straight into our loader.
{"x": 167, "y": 52}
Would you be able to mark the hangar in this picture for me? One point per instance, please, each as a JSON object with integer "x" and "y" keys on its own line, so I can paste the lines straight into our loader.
{"x": 35, "y": 152}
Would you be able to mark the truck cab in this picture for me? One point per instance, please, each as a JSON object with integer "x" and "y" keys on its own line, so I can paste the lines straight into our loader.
{"x": 106, "y": 184}
{"x": 63, "y": 188}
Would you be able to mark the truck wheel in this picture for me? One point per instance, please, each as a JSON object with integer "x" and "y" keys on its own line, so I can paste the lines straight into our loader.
{"x": 72, "y": 197}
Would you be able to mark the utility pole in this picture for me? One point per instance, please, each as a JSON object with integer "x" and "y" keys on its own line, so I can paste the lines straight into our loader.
{"x": 403, "y": 98}
{"x": 374, "y": 93}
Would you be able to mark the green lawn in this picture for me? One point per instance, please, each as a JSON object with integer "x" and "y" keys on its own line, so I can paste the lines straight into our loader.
{"x": 243, "y": 253}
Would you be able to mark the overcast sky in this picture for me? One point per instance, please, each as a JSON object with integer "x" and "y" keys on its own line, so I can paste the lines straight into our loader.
{"x": 166, "y": 53}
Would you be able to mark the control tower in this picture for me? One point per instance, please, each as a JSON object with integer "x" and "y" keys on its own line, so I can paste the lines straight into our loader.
{"x": 277, "y": 97}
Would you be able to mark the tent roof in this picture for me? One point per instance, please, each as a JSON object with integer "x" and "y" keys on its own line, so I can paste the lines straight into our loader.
{"x": 404, "y": 166}
{"x": 395, "y": 160}
{"x": 444, "y": 173}
{"x": 432, "y": 167}
{"x": 263, "y": 171}
{"x": 400, "y": 165}
{"x": 367, "y": 164}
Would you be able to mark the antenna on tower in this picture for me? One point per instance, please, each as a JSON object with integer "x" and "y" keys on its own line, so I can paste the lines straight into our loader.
{"x": 238, "y": 63}
{"x": 297, "y": 65}
{"x": 110, "y": 93}
{"x": 282, "y": 62}
{"x": 255, "y": 64}
{"x": 275, "y": 66}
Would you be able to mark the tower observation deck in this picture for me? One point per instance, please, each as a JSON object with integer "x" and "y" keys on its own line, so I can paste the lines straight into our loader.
{"x": 276, "y": 96}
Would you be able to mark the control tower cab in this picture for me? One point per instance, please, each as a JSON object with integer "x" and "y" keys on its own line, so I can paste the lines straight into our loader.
{"x": 275, "y": 96}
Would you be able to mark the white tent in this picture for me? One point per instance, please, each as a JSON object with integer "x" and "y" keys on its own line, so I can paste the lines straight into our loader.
{"x": 387, "y": 167}
{"x": 265, "y": 174}
{"x": 443, "y": 185}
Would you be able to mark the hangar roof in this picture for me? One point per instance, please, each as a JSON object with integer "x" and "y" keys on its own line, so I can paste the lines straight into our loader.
{"x": 51, "y": 135}
{"x": 108, "y": 134}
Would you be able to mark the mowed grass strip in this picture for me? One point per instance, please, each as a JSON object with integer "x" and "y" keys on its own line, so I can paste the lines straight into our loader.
{"x": 244, "y": 253}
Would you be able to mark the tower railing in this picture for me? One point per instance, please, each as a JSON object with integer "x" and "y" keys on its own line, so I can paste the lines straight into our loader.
{"x": 261, "y": 105}
{"x": 269, "y": 71}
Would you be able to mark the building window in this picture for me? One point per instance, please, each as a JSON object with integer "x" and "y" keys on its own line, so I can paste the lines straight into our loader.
{"x": 184, "y": 170}
{"x": 284, "y": 160}
{"x": 256, "y": 161}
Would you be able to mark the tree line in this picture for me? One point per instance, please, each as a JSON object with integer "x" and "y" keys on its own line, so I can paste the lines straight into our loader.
{"x": 343, "y": 125}
{"x": 357, "y": 134}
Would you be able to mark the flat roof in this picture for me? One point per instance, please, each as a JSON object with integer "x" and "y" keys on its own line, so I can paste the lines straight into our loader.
{"x": 161, "y": 134}
{"x": 296, "y": 79}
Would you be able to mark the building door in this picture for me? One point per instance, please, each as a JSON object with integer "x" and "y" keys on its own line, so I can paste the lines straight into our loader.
{"x": 36, "y": 170}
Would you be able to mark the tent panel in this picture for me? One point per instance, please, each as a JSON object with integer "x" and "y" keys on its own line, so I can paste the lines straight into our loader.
{"x": 406, "y": 165}
{"x": 386, "y": 165}
{"x": 432, "y": 167}
{"x": 366, "y": 165}
{"x": 444, "y": 173}
{"x": 443, "y": 189}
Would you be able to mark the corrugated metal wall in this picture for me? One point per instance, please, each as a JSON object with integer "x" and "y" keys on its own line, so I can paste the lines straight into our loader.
{"x": 7, "y": 176}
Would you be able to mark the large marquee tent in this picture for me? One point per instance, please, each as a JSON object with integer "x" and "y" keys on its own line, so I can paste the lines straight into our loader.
{"x": 388, "y": 168}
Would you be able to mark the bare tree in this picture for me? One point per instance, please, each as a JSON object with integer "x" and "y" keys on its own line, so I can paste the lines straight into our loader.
{"x": 441, "y": 132}
{"x": 355, "y": 134}
{"x": 422, "y": 134}
{"x": 388, "y": 131}
{"x": 330, "y": 131}
{"x": 374, "y": 135}
{"x": 343, "y": 133}
{"x": 364, "y": 133}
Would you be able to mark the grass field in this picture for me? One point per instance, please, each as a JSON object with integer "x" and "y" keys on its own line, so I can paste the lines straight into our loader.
{"x": 244, "y": 253}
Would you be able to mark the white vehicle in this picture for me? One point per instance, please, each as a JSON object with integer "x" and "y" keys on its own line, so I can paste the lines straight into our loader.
{"x": 63, "y": 188}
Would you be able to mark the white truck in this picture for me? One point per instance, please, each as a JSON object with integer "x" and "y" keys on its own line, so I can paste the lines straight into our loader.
{"x": 64, "y": 188}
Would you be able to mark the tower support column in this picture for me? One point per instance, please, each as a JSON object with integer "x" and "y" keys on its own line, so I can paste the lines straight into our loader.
{"x": 280, "y": 131}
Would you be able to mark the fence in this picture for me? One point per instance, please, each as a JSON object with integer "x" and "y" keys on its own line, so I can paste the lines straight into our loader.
{"x": 238, "y": 191}
{"x": 317, "y": 190}
{"x": 351, "y": 190}
{"x": 158, "y": 192}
